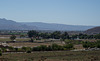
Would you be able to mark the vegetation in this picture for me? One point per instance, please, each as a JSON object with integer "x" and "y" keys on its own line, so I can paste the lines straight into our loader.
{"x": 0, "y": 53}
{"x": 52, "y": 43}
{"x": 61, "y": 35}
{"x": 32, "y": 34}
{"x": 13, "y": 37}
{"x": 53, "y": 56}
{"x": 88, "y": 44}
{"x": 97, "y": 36}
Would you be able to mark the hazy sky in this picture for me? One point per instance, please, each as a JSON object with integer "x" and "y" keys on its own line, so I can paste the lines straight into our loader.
{"x": 74, "y": 12}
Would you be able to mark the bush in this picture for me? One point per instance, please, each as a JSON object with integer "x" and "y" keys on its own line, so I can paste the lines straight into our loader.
{"x": 68, "y": 46}
{"x": 11, "y": 48}
{"x": 98, "y": 45}
{"x": 53, "y": 47}
{"x": 28, "y": 52}
{"x": 26, "y": 48}
{"x": 43, "y": 48}
{"x": 91, "y": 44}
{"x": 40, "y": 48}
{"x": 0, "y": 53}
{"x": 3, "y": 49}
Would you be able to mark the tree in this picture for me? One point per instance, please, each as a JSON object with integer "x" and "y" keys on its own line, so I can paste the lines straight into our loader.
{"x": 56, "y": 35}
{"x": 26, "y": 48}
{"x": 56, "y": 47}
{"x": 74, "y": 37}
{"x": 97, "y": 36}
{"x": 68, "y": 46}
{"x": 65, "y": 36}
{"x": 22, "y": 36}
{"x": 0, "y": 53}
{"x": 44, "y": 35}
{"x": 13, "y": 37}
{"x": 68, "y": 41}
{"x": 32, "y": 34}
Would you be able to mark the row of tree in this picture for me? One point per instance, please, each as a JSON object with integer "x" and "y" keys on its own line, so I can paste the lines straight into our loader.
{"x": 61, "y": 35}
{"x": 55, "y": 35}
{"x": 88, "y": 44}
{"x": 53, "y": 47}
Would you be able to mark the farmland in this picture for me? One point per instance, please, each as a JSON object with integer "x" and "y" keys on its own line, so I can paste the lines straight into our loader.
{"x": 56, "y": 46}
{"x": 53, "y": 56}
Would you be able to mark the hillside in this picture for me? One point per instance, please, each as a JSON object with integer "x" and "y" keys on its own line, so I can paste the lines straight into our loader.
{"x": 12, "y": 25}
{"x": 61, "y": 27}
{"x": 94, "y": 30}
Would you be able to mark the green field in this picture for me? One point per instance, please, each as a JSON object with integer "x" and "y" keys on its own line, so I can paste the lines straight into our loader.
{"x": 53, "y": 56}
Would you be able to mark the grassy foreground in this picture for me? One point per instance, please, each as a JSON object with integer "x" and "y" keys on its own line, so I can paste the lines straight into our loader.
{"x": 53, "y": 56}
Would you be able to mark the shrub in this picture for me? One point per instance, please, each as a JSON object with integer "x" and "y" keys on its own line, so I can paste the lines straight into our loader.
{"x": 68, "y": 46}
{"x": 26, "y": 48}
{"x": 10, "y": 48}
{"x": 28, "y": 52}
{"x": 91, "y": 44}
{"x": 53, "y": 47}
{"x": 0, "y": 53}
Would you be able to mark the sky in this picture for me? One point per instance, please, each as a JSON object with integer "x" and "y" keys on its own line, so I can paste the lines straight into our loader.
{"x": 71, "y": 12}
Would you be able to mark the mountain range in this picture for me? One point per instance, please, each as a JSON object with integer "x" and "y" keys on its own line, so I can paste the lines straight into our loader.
{"x": 12, "y": 25}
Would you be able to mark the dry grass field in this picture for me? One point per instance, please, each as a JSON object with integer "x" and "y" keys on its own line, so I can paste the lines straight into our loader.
{"x": 18, "y": 39}
{"x": 30, "y": 44}
{"x": 53, "y": 56}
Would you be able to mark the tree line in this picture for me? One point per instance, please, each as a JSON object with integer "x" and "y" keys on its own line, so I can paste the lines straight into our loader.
{"x": 53, "y": 47}
{"x": 60, "y": 35}
{"x": 88, "y": 44}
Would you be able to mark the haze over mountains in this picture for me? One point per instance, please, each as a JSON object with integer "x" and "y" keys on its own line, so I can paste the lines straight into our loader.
{"x": 12, "y": 25}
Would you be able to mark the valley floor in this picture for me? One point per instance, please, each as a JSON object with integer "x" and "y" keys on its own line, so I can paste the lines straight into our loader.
{"x": 53, "y": 56}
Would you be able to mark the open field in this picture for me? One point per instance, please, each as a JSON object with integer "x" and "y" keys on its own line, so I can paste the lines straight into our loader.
{"x": 18, "y": 39}
{"x": 38, "y": 44}
{"x": 53, "y": 56}
{"x": 29, "y": 44}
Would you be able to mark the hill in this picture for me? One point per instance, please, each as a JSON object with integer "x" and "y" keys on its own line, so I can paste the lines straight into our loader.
{"x": 61, "y": 27}
{"x": 12, "y": 25}
{"x": 94, "y": 30}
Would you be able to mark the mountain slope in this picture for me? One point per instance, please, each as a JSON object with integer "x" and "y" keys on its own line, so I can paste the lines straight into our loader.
{"x": 94, "y": 30}
{"x": 61, "y": 27}
{"x": 12, "y": 25}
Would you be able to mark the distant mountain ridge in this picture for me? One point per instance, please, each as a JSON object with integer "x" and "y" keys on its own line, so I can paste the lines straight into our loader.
{"x": 12, "y": 25}
{"x": 60, "y": 27}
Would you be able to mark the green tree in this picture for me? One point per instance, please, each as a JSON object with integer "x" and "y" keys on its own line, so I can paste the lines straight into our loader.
{"x": 68, "y": 46}
{"x": 26, "y": 48}
{"x": 0, "y": 53}
{"x": 32, "y": 34}
{"x": 97, "y": 36}
{"x": 56, "y": 35}
{"x": 65, "y": 36}
{"x": 22, "y": 36}
{"x": 68, "y": 41}
{"x": 13, "y": 37}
